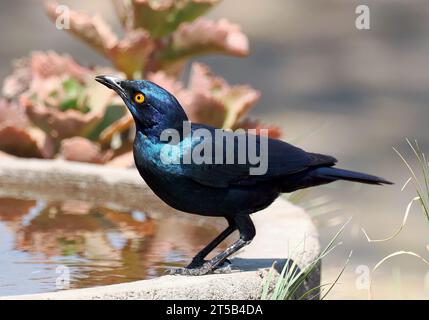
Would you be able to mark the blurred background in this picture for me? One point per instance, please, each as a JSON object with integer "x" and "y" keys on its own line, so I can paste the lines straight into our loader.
{"x": 332, "y": 89}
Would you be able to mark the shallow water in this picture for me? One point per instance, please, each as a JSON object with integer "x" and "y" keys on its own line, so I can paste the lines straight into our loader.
{"x": 52, "y": 246}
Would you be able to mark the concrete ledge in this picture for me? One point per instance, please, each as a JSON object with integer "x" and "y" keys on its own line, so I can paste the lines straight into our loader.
{"x": 240, "y": 285}
{"x": 59, "y": 180}
{"x": 284, "y": 232}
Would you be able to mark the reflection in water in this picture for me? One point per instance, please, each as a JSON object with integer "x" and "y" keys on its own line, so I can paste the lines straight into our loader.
{"x": 98, "y": 245}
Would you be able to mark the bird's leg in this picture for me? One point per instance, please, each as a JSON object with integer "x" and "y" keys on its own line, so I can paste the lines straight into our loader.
{"x": 247, "y": 232}
{"x": 198, "y": 260}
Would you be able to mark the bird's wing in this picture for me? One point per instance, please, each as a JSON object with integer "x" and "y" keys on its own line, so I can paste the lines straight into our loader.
{"x": 281, "y": 159}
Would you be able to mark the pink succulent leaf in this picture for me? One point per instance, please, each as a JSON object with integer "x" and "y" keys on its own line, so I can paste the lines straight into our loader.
{"x": 162, "y": 17}
{"x": 273, "y": 131}
{"x": 202, "y": 79}
{"x": 206, "y": 109}
{"x": 125, "y": 160}
{"x": 123, "y": 10}
{"x": 236, "y": 100}
{"x": 92, "y": 30}
{"x": 48, "y": 72}
{"x": 12, "y": 114}
{"x": 131, "y": 54}
{"x": 200, "y": 106}
{"x": 205, "y": 36}
{"x": 41, "y": 74}
{"x": 83, "y": 150}
{"x": 18, "y": 82}
{"x": 51, "y": 64}
{"x": 172, "y": 85}
{"x": 128, "y": 55}
{"x": 25, "y": 142}
{"x": 61, "y": 124}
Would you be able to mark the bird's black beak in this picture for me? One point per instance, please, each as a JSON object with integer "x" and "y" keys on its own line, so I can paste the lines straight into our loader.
{"x": 112, "y": 83}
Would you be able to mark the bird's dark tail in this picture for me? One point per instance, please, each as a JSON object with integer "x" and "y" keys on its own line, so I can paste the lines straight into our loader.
{"x": 341, "y": 174}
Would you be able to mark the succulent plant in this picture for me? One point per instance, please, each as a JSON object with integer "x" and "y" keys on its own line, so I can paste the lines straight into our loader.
{"x": 49, "y": 99}
{"x": 52, "y": 107}
{"x": 159, "y": 35}
{"x": 16, "y": 135}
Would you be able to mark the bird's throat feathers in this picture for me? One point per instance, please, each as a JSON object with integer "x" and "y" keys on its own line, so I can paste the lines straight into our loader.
{"x": 155, "y": 128}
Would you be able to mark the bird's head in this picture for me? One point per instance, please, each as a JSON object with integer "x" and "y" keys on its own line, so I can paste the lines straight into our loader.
{"x": 153, "y": 108}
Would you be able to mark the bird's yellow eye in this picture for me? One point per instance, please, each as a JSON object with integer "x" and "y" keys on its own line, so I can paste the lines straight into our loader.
{"x": 139, "y": 98}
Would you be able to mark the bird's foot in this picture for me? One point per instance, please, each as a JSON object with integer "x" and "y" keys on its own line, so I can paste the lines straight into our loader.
{"x": 206, "y": 268}
{"x": 199, "y": 268}
{"x": 225, "y": 267}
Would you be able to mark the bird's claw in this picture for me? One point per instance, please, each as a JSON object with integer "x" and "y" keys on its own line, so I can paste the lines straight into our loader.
{"x": 200, "y": 269}
{"x": 206, "y": 268}
{"x": 224, "y": 268}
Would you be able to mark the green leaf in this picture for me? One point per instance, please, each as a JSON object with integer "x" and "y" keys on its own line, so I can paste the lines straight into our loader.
{"x": 112, "y": 114}
{"x": 160, "y": 19}
{"x": 74, "y": 96}
{"x": 72, "y": 87}
{"x": 68, "y": 104}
